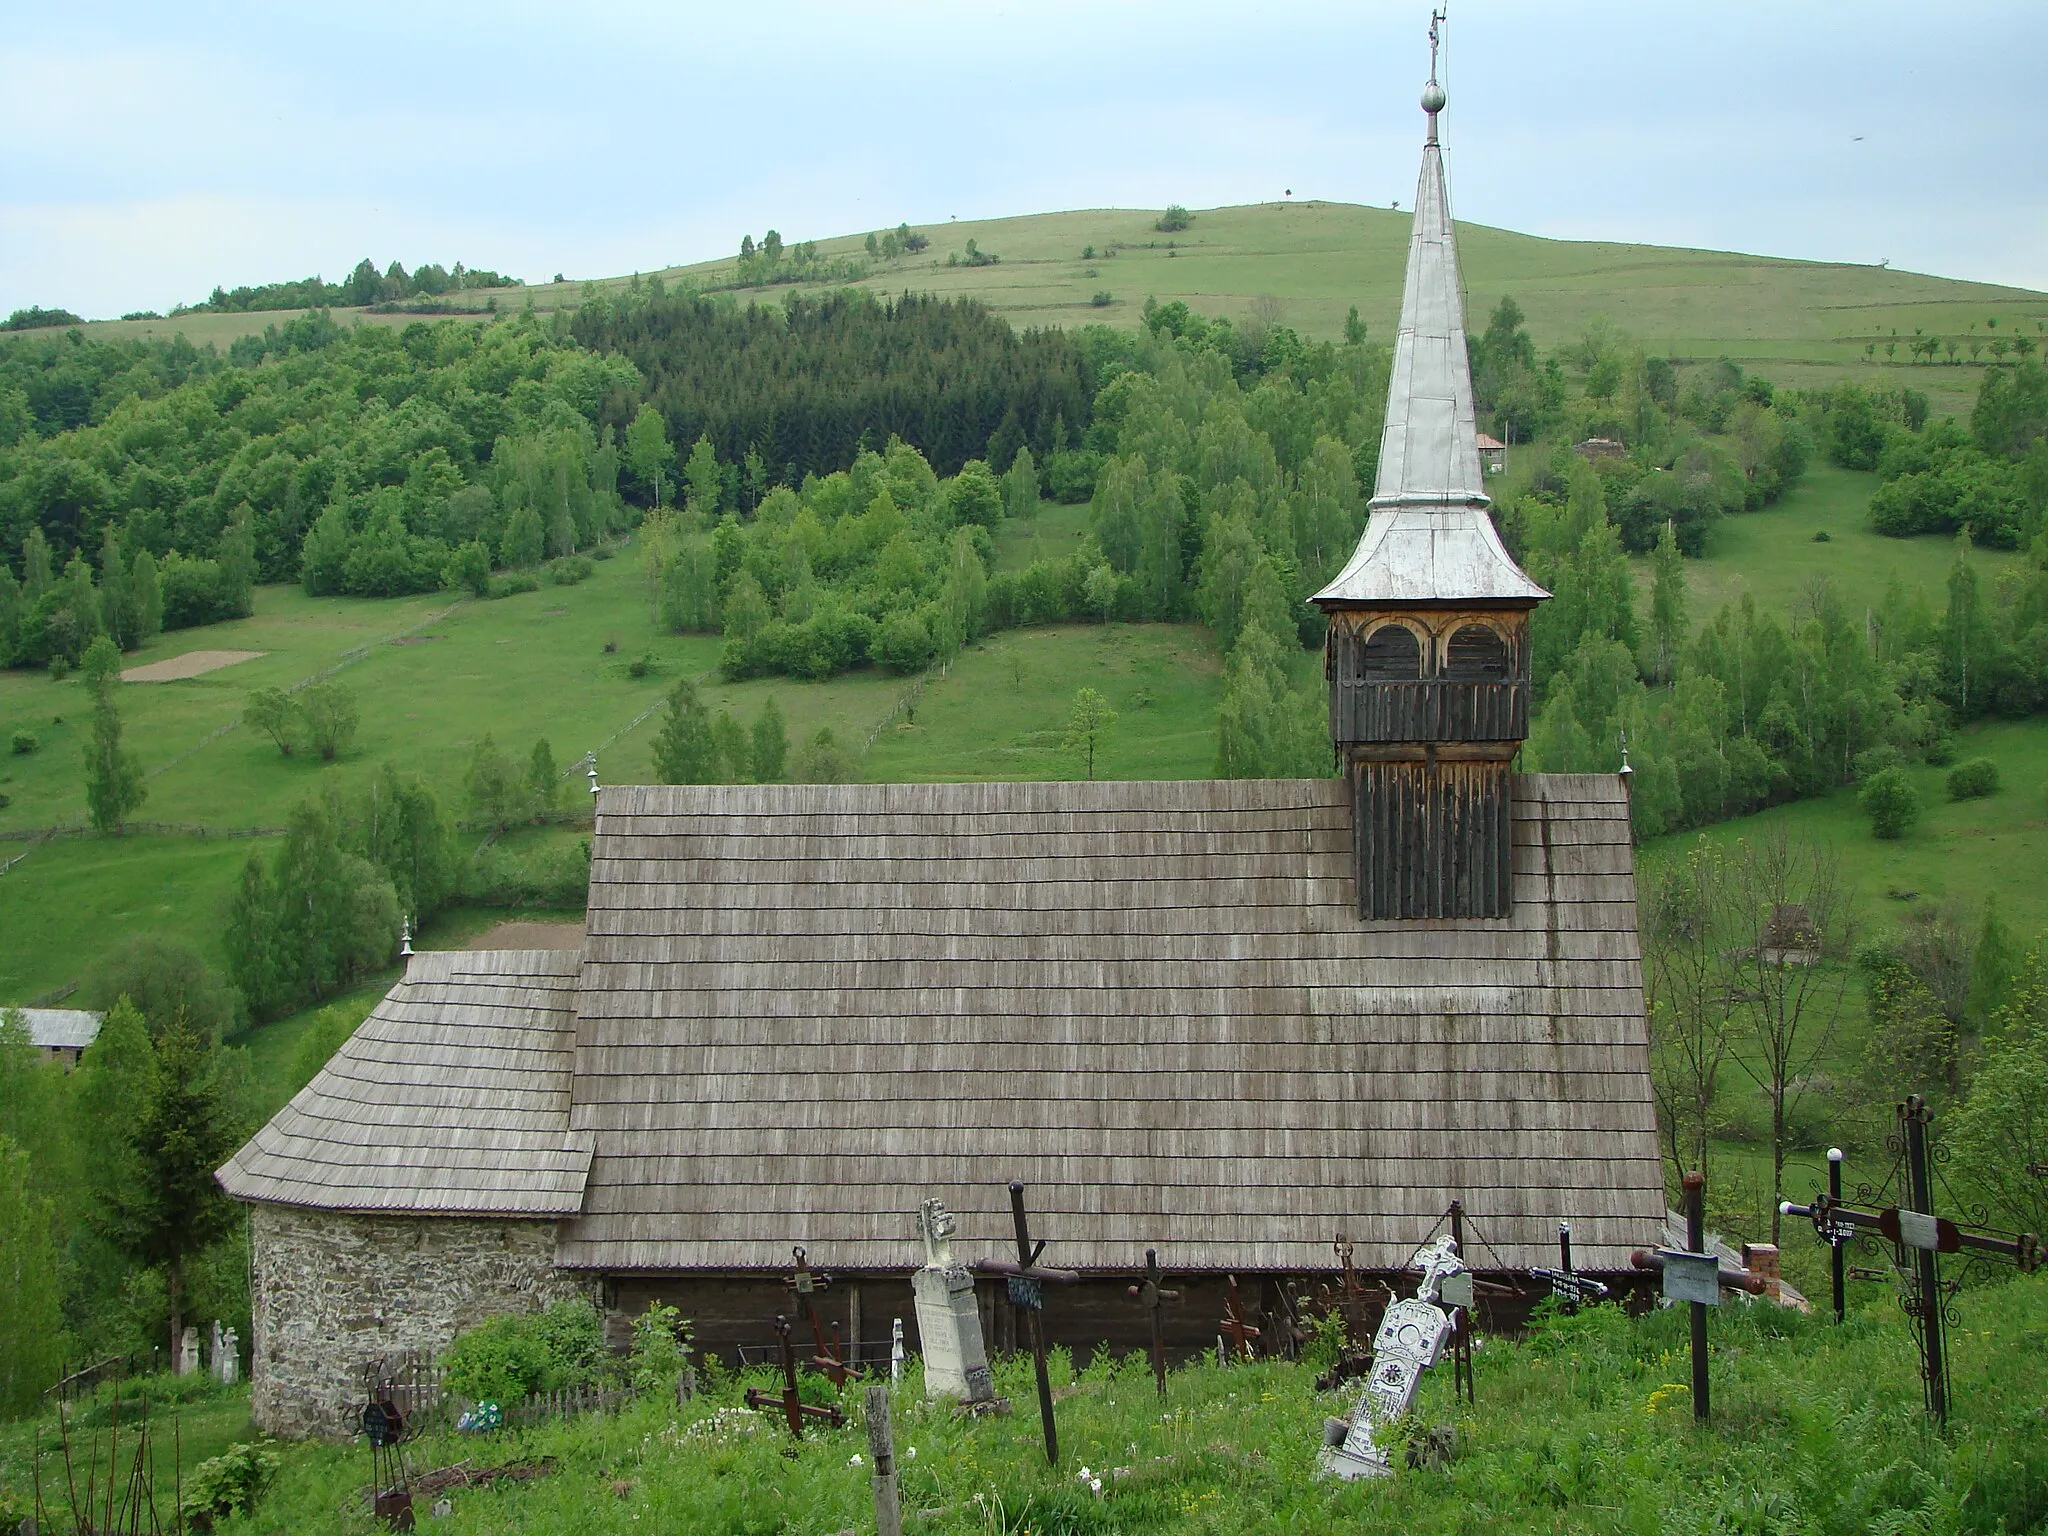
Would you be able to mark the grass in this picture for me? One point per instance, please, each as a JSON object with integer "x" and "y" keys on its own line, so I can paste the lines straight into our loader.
{"x": 1772, "y": 553}
{"x": 1965, "y": 852}
{"x": 1800, "y": 323}
{"x": 1585, "y": 1425}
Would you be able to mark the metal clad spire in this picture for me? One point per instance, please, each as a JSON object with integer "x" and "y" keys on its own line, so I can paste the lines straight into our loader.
{"x": 1429, "y": 537}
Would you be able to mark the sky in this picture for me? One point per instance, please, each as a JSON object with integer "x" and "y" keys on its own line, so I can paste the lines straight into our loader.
{"x": 151, "y": 150}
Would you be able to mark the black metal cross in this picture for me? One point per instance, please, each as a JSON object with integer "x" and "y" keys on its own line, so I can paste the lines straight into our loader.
{"x": 1354, "y": 1357}
{"x": 1027, "y": 1293}
{"x": 794, "y": 1409}
{"x": 1153, "y": 1297}
{"x": 1241, "y": 1332}
{"x": 1918, "y": 1238}
{"x": 1567, "y": 1285}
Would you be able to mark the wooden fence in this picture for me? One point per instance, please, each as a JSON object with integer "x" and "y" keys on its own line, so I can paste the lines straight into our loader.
{"x": 419, "y": 1389}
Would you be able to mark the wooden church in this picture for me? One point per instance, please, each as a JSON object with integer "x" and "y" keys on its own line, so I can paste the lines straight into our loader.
{"x": 1229, "y": 1020}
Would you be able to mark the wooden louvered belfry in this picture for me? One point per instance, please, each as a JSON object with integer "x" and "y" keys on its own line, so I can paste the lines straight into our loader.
{"x": 1428, "y": 649}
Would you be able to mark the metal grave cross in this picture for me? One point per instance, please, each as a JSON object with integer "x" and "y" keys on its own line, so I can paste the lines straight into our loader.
{"x": 804, "y": 1284}
{"x": 1153, "y": 1297}
{"x": 1354, "y": 1356}
{"x": 1241, "y": 1332}
{"x": 794, "y": 1409}
{"x": 1918, "y": 1237}
{"x": 1567, "y": 1285}
{"x": 1027, "y": 1279}
{"x": 1694, "y": 1276}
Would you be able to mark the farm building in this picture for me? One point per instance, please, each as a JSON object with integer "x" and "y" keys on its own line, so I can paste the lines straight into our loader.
{"x": 1493, "y": 453}
{"x": 61, "y": 1034}
{"x": 1231, "y": 1020}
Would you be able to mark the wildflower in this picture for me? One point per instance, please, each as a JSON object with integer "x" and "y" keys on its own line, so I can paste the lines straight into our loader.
{"x": 853, "y": 1460}
{"x": 910, "y": 1453}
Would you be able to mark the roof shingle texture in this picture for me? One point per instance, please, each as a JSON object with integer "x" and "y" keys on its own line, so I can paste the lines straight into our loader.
{"x": 452, "y": 1098}
{"x": 805, "y": 1008}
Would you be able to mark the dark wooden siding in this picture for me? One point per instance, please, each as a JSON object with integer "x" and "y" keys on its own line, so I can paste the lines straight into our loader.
{"x": 1432, "y": 839}
{"x": 1437, "y": 710}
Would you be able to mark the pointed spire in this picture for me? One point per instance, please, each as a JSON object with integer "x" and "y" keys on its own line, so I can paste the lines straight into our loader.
{"x": 1429, "y": 538}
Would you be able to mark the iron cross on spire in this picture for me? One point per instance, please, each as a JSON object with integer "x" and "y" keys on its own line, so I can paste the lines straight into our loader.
{"x": 1436, "y": 21}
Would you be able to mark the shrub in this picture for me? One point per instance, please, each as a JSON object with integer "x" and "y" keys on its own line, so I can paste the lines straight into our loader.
{"x": 509, "y": 1358}
{"x": 1888, "y": 800}
{"x": 469, "y": 570}
{"x": 567, "y": 570}
{"x": 1174, "y": 220}
{"x": 1876, "y": 759}
{"x": 24, "y": 742}
{"x": 1102, "y": 299}
{"x": 643, "y": 665}
{"x": 1973, "y": 780}
{"x": 521, "y": 581}
{"x": 228, "y": 1484}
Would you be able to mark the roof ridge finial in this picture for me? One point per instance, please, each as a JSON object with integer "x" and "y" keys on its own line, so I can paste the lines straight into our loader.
{"x": 1433, "y": 96}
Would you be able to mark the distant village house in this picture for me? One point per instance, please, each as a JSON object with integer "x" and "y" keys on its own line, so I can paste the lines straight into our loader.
{"x": 61, "y": 1034}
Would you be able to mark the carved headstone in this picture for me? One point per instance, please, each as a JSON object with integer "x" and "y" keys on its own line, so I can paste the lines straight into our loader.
{"x": 188, "y": 1351}
{"x": 227, "y": 1356}
{"x": 948, "y": 1317}
{"x": 1411, "y": 1337}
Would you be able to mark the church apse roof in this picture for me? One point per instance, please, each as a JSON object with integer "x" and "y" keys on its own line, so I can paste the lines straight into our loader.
{"x": 452, "y": 1098}
{"x": 803, "y": 1008}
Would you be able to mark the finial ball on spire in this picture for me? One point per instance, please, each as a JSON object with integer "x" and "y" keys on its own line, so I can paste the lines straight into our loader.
{"x": 1433, "y": 98}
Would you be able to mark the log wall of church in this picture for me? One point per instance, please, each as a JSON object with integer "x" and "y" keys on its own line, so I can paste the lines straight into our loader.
{"x": 331, "y": 1292}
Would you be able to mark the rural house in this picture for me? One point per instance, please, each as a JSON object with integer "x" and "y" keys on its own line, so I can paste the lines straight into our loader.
{"x": 1228, "y": 1020}
{"x": 61, "y": 1034}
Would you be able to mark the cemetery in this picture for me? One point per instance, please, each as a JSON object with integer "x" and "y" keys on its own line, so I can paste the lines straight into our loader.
{"x": 1263, "y": 1154}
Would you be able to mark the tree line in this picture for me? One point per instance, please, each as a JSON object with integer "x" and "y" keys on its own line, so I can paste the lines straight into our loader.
{"x": 363, "y": 287}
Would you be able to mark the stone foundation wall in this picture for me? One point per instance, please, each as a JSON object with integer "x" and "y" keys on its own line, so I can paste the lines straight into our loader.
{"x": 331, "y": 1292}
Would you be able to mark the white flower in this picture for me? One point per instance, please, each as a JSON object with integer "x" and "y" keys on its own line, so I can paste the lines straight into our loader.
{"x": 853, "y": 1460}
{"x": 910, "y": 1453}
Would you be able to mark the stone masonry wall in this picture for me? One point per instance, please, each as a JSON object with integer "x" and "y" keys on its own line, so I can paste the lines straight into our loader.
{"x": 331, "y": 1292}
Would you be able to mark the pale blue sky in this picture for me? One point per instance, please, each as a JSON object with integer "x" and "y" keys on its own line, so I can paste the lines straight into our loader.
{"x": 152, "y": 150}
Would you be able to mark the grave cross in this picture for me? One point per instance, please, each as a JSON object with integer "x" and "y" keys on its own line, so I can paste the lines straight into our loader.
{"x": 794, "y": 1409}
{"x": 1919, "y": 1238}
{"x": 1567, "y": 1286}
{"x": 1693, "y": 1275}
{"x": 803, "y": 1285}
{"x": 1153, "y": 1297}
{"x": 1027, "y": 1293}
{"x": 1354, "y": 1357}
{"x": 1241, "y": 1332}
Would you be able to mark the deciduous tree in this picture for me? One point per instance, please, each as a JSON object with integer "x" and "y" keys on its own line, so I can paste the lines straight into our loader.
{"x": 1088, "y": 724}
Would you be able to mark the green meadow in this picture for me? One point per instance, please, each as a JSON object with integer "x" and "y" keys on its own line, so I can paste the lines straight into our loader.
{"x": 1799, "y": 323}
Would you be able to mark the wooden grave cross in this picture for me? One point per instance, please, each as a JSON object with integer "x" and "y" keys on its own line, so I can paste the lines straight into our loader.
{"x": 1153, "y": 1297}
{"x": 803, "y": 1285}
{"x": 794, "y": 1409}
{"x": 1241, "y": 1332}
{"x": 1027, "y": 1279}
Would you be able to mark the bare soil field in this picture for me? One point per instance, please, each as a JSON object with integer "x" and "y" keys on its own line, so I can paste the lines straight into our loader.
{"x": 192, "y": 664}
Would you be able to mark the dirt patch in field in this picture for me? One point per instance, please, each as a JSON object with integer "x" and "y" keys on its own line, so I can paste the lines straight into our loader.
{"x": 530, "y": 936}
{"x": 417, "y": 639}
{"x": 191, "y": 664}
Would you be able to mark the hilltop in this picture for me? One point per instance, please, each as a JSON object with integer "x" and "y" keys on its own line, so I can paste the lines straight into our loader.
{"x": 1799, "y": 322}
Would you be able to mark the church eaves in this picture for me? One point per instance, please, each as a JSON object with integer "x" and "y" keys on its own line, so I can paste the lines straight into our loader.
{"x": 1429, "y": 539}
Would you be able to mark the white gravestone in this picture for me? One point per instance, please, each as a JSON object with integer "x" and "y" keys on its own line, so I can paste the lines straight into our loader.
{"x": 227, "y": 1357}
{"x": 188, "y": 1351}
{"x": 948, "y": 1317}
{"x": 1411, "y": 1338}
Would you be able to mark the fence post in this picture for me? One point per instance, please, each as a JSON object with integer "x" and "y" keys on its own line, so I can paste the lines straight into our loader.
{"x": 882, "y": 1450}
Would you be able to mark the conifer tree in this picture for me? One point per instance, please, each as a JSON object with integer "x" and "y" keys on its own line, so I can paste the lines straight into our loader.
{"x": 165, "y": 1207}
{"x": 770, "y": 744}
{"x": 146, "y": 594}
{"x": 1667, "y": 605}
{"x": 31, "y": 1321}
{"x": 113, "y": 775}
{"x": 684, "y": 752}
{"x": 117, "y": 606}
{"x": 543, "y": 779}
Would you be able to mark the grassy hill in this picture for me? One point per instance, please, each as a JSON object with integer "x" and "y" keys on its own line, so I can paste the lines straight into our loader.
{"x": 1797, "y": 322}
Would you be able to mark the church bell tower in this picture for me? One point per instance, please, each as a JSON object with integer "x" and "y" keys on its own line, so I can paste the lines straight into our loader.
{"x": 1428, "y": 649}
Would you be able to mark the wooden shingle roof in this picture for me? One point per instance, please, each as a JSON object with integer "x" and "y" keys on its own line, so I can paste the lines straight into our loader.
{"x": 805, "y": 1007}
{"x": 451, "y": 1098}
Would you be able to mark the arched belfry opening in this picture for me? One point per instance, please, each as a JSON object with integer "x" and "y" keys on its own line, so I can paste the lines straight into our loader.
{"x": 1428, "y": 649}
